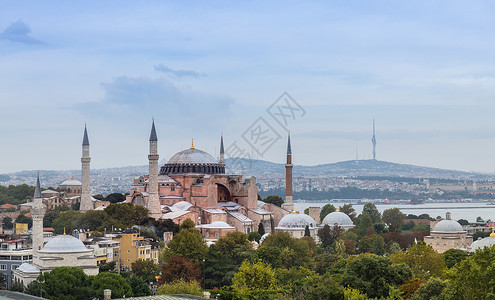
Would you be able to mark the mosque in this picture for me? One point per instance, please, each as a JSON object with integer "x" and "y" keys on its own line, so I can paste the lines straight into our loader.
{"x": 194, "y": 185}
{"x": 60, "y": 251}
{"x": 448, "y": 234}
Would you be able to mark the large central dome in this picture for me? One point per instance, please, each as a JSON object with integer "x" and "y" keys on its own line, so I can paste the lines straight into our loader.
{"x": 192, "y": 156}
{"x": 192, "y": 161}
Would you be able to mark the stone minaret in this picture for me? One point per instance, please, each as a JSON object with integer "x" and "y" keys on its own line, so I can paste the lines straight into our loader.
{"x": 153, "y": 198}
{"x": 222, "y": 153}
{"x": 86, "y": 201}
{"x": 373, "y": 140}
{"x": 37, "y": 212}
{"x": 289, "y": 205}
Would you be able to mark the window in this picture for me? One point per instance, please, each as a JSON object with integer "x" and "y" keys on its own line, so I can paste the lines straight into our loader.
{"x": 3, "y": 267}
{"x": 13, "y": 267}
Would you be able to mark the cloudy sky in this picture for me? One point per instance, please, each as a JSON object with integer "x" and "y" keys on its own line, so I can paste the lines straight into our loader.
{"x": 425, "y": 70}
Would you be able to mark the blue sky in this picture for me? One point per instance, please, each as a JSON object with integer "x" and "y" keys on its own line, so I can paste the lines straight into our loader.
{"x": 424, "y": 70}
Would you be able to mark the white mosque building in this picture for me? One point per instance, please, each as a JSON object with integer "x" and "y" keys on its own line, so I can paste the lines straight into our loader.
{"x": 60, "y": 251}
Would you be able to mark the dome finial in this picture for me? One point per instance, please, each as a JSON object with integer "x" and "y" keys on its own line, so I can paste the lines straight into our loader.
{"x": 337, "y": 209}
{"x": 64, "y": 230}
{"x": 493, "y": 233}
{"x": 192, "y": 143}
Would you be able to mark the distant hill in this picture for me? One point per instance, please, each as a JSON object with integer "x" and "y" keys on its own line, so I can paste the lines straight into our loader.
{"x": 350, "y": 168}
{"x": 119, "y": 179}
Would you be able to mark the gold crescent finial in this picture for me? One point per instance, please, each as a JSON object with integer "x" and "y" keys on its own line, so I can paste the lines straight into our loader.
{"x": 64, "y": 230}
{"x": 493, "y": 233}
{"x": 192, "y": 143}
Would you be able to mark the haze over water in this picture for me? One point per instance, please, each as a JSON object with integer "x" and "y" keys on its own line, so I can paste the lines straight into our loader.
{"x": 467, "y": 211}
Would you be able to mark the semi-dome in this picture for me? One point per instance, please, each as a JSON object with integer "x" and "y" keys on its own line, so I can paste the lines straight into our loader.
{"x": 296, "y": 221}
{"x": 337, "y": 218}
{"x": 64, "y": 244}
{"x": 192, "y": 161}
{"x": 448, "y": 226}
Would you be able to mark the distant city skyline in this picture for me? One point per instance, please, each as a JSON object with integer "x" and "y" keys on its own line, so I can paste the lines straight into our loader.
{"x": 424, "y": 71}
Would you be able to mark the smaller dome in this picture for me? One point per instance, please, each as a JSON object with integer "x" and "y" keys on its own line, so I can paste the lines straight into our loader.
{"x": 448, "y": 226}
{"x": 337, "y": 218}
{"x": 28, "y": 268}
{"x": 217, "y": 225}
{"x": 482, "y": 243}
{"x": 182, "y": 205}
{"x": 71, "y": 182}
{"x": 292, "y": 221}
{"x": 64, "y": 244}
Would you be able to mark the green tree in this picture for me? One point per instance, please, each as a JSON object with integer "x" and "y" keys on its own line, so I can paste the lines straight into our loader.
{"x": 92, "y": 220}
{"x": 422, "y": 227}
{"x": 188, "y": 243}
{"x": 364, "y": 223}
{"x": 432, "y": 290}
{"x": 180, "y": 287}
{"x": 66, "y": 283}
{"x": 225, "y": 257}
{"x": 254, "y": 277}
{"x": 393, "y": 218}
{"x": 325, "y": 210}
{"x": 254, "y": 236}
{"x": 119, "y": 286}
{"x": 370, "y": 209}
{"x": 115, "y": 197}
{"x": 145, "y": 269}
{"x": 139, "y": 287}
{"x": 287, "y": 251}
{"x": 52, "y": 214}
{"x": 7, "y": 223}
{"x": 66, "y": 221}
{"x": 453, "y": 257}
{"x": 187, "y": 224}
{"x": 108, "y": 267}
{"x": 374, "y": 275}
{"x": 261, "y": 229}
{"x": 325, "y": 236}
{"x": 372, "y": 244}
{"x": 128, "y": 214}
{"x": 422, "y": 259}
{"x": 472, "y": 278}
{"x": 275, "y": 200}
{"x": 349, "y": 210}
{"x": 321, "y": 287}
{"x": 306, "y": 231}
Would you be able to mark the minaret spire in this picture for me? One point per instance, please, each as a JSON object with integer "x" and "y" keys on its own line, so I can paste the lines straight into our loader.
{"x": 373, "y": 140}
{"x": 289, "y": 205}
{"x": 222, "y": 152}
{"x": 37, "y": 190}
{"x": 153, "y": 198}
{"x": 37, "y": 213}
{"x": 153, "y": 136}
{"x": 86, "y": 201}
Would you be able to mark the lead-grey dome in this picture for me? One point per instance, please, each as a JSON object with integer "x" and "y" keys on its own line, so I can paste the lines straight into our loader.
{"x": 192, "y": 156}
{"x": 296, "y": 221}
{"x": 64, "y": 244}
{"x": 448, "y": 226}
{"x": 337, "y": 218}
{"x": 482, "y": 243}
{"x": 192, "y": 161}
